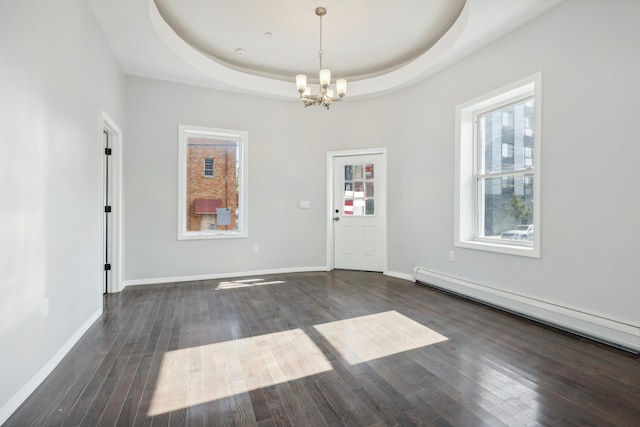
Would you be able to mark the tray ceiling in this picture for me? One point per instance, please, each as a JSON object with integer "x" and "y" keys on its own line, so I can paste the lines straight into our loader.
{"x": 377, "y": 45}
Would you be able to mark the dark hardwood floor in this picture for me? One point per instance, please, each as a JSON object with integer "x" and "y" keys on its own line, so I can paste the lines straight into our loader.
{"x": 338, "y": 348}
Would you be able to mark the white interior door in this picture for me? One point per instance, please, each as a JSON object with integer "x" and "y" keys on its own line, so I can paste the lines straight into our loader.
{"x": 359, "y": 212}
{"x": 112, "y": 196}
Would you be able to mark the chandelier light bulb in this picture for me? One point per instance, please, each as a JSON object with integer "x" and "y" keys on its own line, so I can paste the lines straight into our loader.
{"x": 341, "y": 87}
{"x": 301, "y": 82}
{"x": 325, "y": 78}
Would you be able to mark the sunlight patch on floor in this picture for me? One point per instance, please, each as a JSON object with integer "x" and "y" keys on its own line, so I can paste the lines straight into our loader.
{"x": 366, "y": 338}
{"x": 234, "y": 284}
{"x": 201, "y": 374}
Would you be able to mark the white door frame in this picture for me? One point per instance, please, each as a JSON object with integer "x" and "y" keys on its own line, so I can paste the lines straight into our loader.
{"x": 331, "y": 155}
{"x": 115, "y": 178}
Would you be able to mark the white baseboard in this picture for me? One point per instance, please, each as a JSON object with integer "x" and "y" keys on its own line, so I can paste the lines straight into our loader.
{"x": 398, "y": 275}
{"x": 609, "y": 331}
{"x": 14, "y": 403}
{"x": 216, "y": 276}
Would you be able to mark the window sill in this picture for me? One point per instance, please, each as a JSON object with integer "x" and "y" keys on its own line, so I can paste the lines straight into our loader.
{"x": 211, "y": 236}
{"x": 525, "y": 250}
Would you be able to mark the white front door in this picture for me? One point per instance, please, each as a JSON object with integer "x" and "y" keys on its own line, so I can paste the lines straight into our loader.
{"x": 359, "y": 211}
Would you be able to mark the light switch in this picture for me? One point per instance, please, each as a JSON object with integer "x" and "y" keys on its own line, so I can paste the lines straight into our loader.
{"x": 305, "y": 204}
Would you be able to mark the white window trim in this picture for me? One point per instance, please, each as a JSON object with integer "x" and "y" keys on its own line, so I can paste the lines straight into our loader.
{"x": 242, "y": 137}
{"x": 465, "y": 192}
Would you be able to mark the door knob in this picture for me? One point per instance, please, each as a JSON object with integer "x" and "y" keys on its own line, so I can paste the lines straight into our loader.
{"x": 336, "y": 218}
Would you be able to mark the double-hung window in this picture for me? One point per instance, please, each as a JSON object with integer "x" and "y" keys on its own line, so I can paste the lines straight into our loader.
{"x": 498, "y": 171}
{"x": 208, "y": 167}
{"x": 212, "y": 196}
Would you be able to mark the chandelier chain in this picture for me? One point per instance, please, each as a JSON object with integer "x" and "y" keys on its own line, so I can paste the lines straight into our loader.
{"x": 320, "y": 52}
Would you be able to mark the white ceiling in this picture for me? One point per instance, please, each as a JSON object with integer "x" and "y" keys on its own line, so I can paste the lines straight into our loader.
{"x": 358, "y": 36}
{"x": 377, "y": 45}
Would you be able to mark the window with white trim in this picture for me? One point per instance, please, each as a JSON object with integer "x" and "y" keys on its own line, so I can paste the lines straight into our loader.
{"x": 212, "y": 204}
{"x": 498, "y": 170}
{"x": 208, "y": 167}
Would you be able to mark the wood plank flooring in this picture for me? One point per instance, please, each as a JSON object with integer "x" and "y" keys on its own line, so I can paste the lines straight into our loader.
{"x": 328, "y": 349}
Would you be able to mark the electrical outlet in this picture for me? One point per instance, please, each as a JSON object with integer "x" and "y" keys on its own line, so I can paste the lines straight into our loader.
{"x": 255, "y": 249}
{"x": 452, "y": 256}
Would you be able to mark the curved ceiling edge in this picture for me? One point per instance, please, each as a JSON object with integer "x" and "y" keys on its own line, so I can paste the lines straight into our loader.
{"x": 249, "y": 83}
{"x": 245, "y": 82}
{"x": 417, "y": 69}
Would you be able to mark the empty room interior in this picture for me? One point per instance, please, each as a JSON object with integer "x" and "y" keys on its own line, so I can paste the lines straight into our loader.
{"x": 320, "y": 212}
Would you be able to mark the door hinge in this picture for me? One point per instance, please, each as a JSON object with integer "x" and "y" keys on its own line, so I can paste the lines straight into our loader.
{"x": 107, "y": 267}
{"x": 107, "y": 209}
{"x": 107, "y": 151}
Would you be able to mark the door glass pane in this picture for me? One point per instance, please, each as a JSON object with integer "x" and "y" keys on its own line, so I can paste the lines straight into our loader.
{"x": 368, "y": 171}
{"x": 358, "y": 190}
{"x": 369, "y": 207}
{"x": 369, "y": 189}
{"x": 348, "y": 173}
{"x": 348, "y": 207}
{"x": 358, "y": 207}
{"x": 359, "y": 171}
{"x": 348, "y": 190}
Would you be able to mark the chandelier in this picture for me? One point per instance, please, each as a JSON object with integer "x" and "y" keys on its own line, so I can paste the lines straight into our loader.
{"x": 325, "y": 95}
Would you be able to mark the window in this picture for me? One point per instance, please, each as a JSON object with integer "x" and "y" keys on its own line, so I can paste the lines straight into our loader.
{"x": 507, "y": 150}
{"x": 208, "y": 167}
{"x": 358, "y": 199}
{"x": 212, "y": 205}
{"x": 497, "y": 171}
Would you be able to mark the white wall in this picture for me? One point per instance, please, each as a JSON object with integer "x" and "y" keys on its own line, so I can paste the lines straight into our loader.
{"x": 288, "y": 145}
{"x": 57, "y": 75}
{"x": 588, "y": 55}
{"x": 286, "y": 164}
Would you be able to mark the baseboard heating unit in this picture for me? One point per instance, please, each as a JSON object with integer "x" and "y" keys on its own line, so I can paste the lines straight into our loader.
{"x": 592, "y": 326}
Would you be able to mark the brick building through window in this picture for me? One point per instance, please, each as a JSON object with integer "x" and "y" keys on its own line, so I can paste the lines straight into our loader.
{"x": 212, "y": 184}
